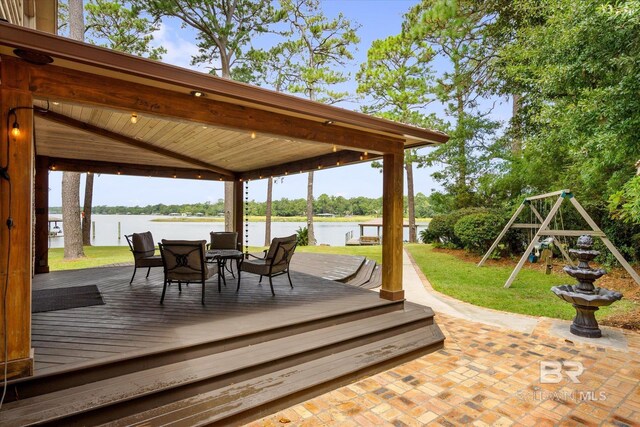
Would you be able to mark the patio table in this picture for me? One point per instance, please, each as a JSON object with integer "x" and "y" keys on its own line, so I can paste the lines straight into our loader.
{"x": 220, "y": 256}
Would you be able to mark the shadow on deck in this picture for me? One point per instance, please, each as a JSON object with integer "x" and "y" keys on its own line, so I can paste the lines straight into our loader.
{"x": 240, "y": 356}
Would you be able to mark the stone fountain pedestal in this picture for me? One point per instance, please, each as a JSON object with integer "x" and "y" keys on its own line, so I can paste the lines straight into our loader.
{"x": 585, "y": 297}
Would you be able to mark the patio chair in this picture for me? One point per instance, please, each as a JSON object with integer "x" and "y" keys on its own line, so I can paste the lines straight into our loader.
{"x": 184, "y": 262}
{"x": 143, "y": 250}
{"x": 275, "y": 262}
{"x": 224, "y": 240}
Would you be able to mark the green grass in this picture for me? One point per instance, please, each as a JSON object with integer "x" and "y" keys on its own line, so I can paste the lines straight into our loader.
{"x": 96, "y": 256}
{"x": 483, "y": 286}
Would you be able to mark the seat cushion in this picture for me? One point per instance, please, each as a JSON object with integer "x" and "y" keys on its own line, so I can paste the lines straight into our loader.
{"x": 143, "y": 246}
{"x": 152, "y": 261}
{"x": 257, "y": 266}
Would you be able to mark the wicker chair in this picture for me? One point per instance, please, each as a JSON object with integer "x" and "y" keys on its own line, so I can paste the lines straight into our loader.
{"x": 143, "y": 250}
{"x": 184, "y": 262}
{"x": 275, "y": 262}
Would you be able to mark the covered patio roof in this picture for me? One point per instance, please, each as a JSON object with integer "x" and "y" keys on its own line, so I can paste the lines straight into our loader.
{"x": 232, "y": 131}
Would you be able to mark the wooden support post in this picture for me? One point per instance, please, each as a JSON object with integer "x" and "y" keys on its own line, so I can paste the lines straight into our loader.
{"x": 535, "y": 240}
{"x": 606, "y": 240}
{"x": 238, "y": 211}
{"x": 501, "y": 235}
{"x": 41, "y": 199}
{"x": 16, "y": 203}
{"x": 392, "y": 174}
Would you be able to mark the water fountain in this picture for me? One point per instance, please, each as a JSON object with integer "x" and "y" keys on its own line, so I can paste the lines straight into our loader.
{"x": 585, "y": 297}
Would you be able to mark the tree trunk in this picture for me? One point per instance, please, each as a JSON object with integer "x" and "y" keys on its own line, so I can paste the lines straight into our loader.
{"x": 228, "y": 206}
{"x": 516, "y": 143}
{"x": 311, "y": 234}
{"x": 71, "y": 180}
{"x": 411, "y": 206}
{"x": 267, "y": 219}
{"x": 86, "y": 209}
{"x": 71, "y": 215}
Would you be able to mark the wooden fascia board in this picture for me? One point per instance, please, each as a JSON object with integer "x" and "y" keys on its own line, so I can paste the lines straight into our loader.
{"x": 337, "y": 159}
{"x": 72, "y": 50}
{"x": 82, "y": 165}
{"x": 58, "y": 83}
{"x": 77, "y": 124}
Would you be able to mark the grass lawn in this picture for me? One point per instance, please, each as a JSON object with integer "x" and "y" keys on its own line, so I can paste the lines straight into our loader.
{"x": 483, "y": 286}
{"x": 96, "y": 256}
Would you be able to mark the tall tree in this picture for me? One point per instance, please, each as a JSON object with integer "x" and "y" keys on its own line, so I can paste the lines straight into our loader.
{"x": 225, "y": 28}
{"x": 121, "y": 26}
{"x": 319, "y": 49}
{"x": 455, "y": 30}
{"x": 71, "y": 180}
{"x": 397, "y": 78}
{"x": 116, "y": 25}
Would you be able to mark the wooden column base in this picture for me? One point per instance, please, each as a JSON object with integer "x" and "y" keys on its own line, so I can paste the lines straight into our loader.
{"x": 18, "y": 368}
{"x": 392, "y": 295}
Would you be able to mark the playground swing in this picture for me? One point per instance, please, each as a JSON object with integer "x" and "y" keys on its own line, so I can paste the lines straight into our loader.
{"x": 542, "y": 227}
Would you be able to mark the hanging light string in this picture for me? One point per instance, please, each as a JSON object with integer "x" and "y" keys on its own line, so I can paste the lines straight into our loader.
{"x": 246, "y": 219}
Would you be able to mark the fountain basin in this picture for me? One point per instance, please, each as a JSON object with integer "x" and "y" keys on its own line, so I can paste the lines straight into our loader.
{"x": 599, "y": 298}
{"x": 584, "y": 274}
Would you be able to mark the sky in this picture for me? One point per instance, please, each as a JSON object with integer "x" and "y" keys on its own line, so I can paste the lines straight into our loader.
{"x": 377, "y": 19}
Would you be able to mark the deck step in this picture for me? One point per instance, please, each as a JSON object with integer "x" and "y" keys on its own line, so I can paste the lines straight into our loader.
{"x": 360, "y": 342}
{"x": 132, "y": 362}
{"x": 376, "y": 279}
{"x": 228, "y": 405}
{"x": 364, "y": 274}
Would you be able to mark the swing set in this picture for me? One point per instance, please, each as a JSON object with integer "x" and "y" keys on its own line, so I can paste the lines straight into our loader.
{"x": 543, "y": 212}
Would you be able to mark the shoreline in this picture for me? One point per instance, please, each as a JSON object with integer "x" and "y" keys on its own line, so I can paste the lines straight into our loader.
{"x": 354, "y": 219}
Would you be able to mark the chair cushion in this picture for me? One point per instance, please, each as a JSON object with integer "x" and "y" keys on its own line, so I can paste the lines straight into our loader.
{"x": 152, "y": 261}
{"x": 274, "y": 244}
{"x": 143, "y": 245}
{"x": 224, "y": 240}
{"x": 184, "y": 260}
{"x": 257, "y": 266}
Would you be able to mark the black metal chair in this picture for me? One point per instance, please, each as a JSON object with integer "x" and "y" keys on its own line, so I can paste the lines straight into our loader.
{"x": 224, "y": 240}
{"x": 143, "y": 250}
{"x": 184, "y": 262}
{"x": 275, "y": 262}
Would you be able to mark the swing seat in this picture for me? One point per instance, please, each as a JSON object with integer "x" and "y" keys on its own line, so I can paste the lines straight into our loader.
{"x": 532, "y": 258}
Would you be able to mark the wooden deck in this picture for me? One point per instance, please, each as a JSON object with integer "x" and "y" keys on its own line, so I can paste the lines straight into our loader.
{"x": 132, "y": 318}
{"x": 239, "y": 357}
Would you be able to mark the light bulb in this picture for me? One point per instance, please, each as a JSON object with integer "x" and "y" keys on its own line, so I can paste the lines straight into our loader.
{"x": 134, "y": 118}
{"x": 15, "y": 131}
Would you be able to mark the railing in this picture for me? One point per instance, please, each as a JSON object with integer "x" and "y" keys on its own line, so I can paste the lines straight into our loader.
{"x": 348, "y": 236}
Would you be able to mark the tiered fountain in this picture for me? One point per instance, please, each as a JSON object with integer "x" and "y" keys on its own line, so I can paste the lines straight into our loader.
{"x": 585, "y": 297}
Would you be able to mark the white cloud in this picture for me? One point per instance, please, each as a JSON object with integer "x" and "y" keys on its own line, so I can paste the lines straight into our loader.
{"x": 180, "y": 45}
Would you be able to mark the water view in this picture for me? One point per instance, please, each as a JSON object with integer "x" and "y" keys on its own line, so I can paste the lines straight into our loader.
{"x": 106, "y": 230}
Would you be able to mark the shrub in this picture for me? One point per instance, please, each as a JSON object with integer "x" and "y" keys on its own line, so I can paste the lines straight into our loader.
{"x": 302, "y": 236}
{"x": 441, "y": 228}
{"x": 477, "y": 231}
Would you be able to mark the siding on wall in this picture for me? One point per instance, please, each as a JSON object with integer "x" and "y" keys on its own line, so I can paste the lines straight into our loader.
{"x": 11, "y": 10}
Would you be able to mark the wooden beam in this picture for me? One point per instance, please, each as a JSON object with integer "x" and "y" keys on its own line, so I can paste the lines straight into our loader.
{"x": 56, "y": 83}
{"x": 75, "y": 165}
{"x": 77, "y": 124}
{"x": 547, "y": 195}
{"x": 571, "y": 233}
{"x": 238, "y": 211}
{"x": 332, "y": 160}
{"x": 155, "y": 72}
{"x": 521, "y": 225}
{"x": 392, "y": 221}
{"x": 15, "y": 241}
{"x": 41, "y": 199}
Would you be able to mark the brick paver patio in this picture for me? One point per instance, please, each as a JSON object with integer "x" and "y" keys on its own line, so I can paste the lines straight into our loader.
{"x": 487, "y": 376}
